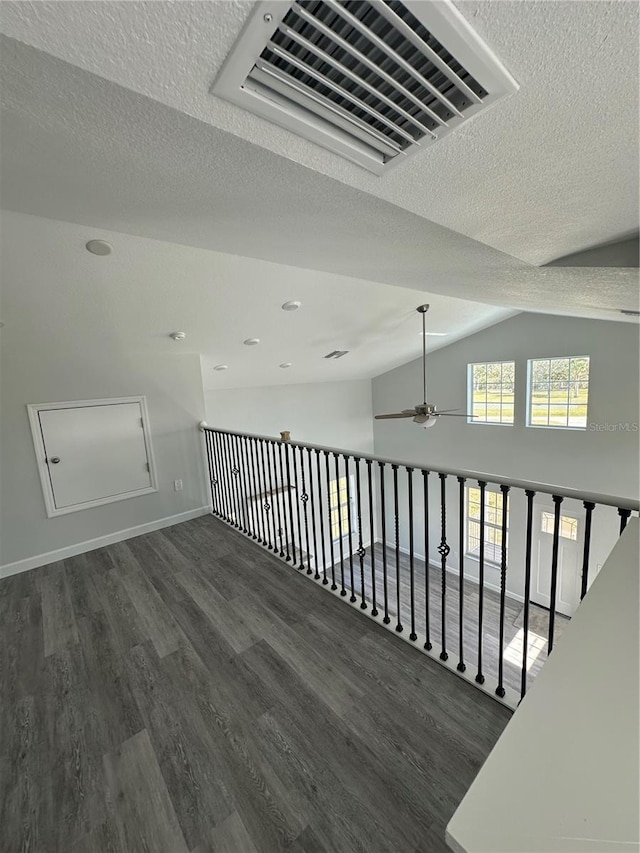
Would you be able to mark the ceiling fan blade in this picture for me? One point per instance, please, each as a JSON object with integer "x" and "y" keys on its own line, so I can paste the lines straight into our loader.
{"x": 452, "y": 415}
{"x": 396, "y": 415}
{"x": 445, "y": 411}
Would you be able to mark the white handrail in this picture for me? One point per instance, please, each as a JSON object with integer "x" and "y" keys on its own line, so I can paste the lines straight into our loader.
{"x": 527, "y": 485}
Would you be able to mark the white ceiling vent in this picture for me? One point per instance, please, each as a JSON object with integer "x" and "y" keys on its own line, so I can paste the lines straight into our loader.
{"x": 372, "y": 80}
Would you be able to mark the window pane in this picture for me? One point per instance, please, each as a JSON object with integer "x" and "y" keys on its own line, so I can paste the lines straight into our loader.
{"x": 540, "y": 415}
{"x": 491, "y": 385}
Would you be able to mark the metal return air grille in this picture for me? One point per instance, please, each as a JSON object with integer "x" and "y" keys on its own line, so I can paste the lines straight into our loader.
{"x": 370, "y": 80}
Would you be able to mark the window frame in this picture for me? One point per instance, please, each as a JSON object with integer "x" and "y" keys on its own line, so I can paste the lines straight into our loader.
{"x": 475, "y": 555}
{"x": 567, "y": 426}
{"x": 471, "y": 389}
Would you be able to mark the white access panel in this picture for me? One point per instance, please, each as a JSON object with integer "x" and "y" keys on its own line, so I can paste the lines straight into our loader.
{"x": 92, "y": 452}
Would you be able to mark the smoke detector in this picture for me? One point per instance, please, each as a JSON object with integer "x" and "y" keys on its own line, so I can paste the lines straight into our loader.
{"x": 178, "y": 336}
{"x": 371, "y": 80}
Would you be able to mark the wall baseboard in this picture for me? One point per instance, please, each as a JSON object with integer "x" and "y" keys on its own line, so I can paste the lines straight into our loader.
{"x": 468, "y": 578}
{"x": 92, "y": 544}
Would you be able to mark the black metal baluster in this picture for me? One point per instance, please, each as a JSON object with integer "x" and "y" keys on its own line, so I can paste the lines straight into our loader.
{"x": 374, "y": 609}
{"x": 343, "y": 591}
{"x": 289, "y": 523}
{"x": 268, "y": 497}
{"x": 304, "y": 497}
{"x": 314, "y": 533}
{"x": 257, "y": 486}
{"x": 331, "y": 548}
{"x": 557, "y": 500}
{"x": 483, "y": 487}
{"x": 233, "y": 486}
{"x": 624, "y": 517}
{"x": 396, "y": 518}
{"x": 242, "y": 485}
{"x": 297, "y": 506}
{"x": 250, "y": 504}
{"x": 589, "y": 507}
{"x": 347, "y": 480}
{"x": 412, "y": 591}
{"x": 257, "y": 489}
{"x": 461, "y": 550}
{"x": 527, "y": 592}
{"x": 503, "y": 586}
{"x": 443, "y": 550}
{"x": 361, "y": 551}
{"x": 237, "y": 469}
{"x": 237, "y": 473}
{"x": 321, "y": 517}
{"x": 383, "y": 519}
{"x": 226, "y": 502}
{"x": 427, "y": 623}
{"x": 207, "y": 443}
{"x": 277, "y": 492}
{"x": 283, "y": 506}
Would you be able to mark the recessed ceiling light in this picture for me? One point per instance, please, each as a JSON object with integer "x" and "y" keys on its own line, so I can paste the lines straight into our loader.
{"x": 286, "y": 364}
{"x": 99, "y": 247}
{"x": 221, "y": 367}
{"x": 291, "y": 306}
{"x": 251, "y": 342}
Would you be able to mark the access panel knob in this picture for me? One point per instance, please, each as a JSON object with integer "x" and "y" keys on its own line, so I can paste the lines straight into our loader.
{"x": 54, "y": 460}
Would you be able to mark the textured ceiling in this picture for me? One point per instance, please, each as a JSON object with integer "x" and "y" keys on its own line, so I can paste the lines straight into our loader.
{"x": 549, "y": 171}
{"x": 78, "y": 148}
{"x": 133, "y": 299}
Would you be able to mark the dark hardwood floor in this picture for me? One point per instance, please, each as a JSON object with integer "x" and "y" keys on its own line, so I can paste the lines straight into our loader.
{"x": 186, "y": 691}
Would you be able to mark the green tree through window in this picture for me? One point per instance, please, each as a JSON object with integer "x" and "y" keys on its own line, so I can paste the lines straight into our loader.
{"x": 491, "y": 386}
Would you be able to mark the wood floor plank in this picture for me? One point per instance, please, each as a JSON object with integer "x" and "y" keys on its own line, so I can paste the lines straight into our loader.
{"x": 144, "y": 815}
{"x": 310, "y": 722}
{"x": 58, "y": 616}
{"x": 74, "y": 738}
{"x": 154, "y": 617}
{"x": 232, "y": 836}
{"x": 80, "y": 581}
{"x": 337, "y": 690}
{"x": 182, "y": 743}
{"x": 109, "y": 690}
{"x": 125, "y": 627}
{"x": 229, "y": 621}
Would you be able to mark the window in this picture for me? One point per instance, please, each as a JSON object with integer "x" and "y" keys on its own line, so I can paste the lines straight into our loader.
{"x": 558, "y": 393}
{"x": 492, "y": 524}
{"x": 568, "y": 525}
{"x": 340, "y": 513}
{"x": 490, "y": 392}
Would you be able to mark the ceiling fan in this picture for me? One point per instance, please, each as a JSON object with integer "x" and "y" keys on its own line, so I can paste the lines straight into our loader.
{"x": 425, "y": 414}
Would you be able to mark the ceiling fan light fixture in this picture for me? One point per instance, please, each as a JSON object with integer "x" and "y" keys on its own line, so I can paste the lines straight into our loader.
{"x": 430, "y": 421}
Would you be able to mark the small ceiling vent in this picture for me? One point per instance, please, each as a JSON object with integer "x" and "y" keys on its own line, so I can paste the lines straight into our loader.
{"x": 372, "y": 80}
{"x": 337, "y": 353}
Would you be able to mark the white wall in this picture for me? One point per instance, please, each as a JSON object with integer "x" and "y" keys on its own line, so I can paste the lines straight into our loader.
{"x": 48, "y": 355}
{"x": 335, "y": 414}
{"x": 605, "y": 462}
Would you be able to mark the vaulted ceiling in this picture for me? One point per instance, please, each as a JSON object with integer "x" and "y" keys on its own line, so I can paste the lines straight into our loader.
{"x": 108, "y": 121}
